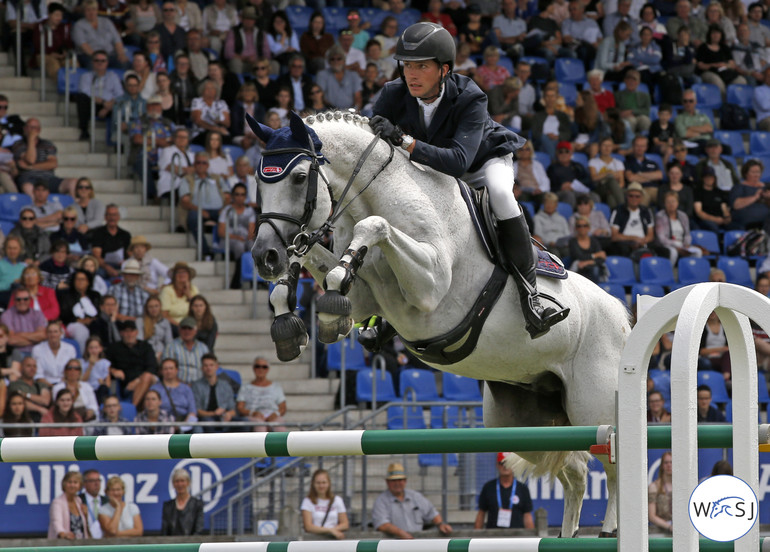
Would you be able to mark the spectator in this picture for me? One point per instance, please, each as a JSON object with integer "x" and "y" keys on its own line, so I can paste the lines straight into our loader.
{"x": 679, "y": 60}
{"x": 176, "y": 397}
{"x": 10, "y": 358}
{"x": 434, "y": 14}
{"x": 36, "y": 160}
{"x": 53, "y": 354}
{"x": 281, "y": 39}
{"x": 187, "y": 351}
{"x": 550, "y": 126}
{"x": 129, "y": 293}
{"x": 27, "y": 326}
{"x": 96, "y": 368}
{"x": 384, "y": 71}
{"x": 43, "y": 298}
{"x": 93, "y": 500}
{"x": 399, "y": 512}
{"x": 748, "y": 57}
{"x": 659, "y": 494}
{"x": 141, "y": 67}
{"x": 551, "y": 228}
{"x": 607, "y": 174}
{"x": 154, "y": 413}
{"x": 205, "y": 192}
{"x": 714, "y": 352}
{"x": 318, "y": 104}
{"x": 206, "y": 324}
{"x": 355, "y": 60}
{"x": 199, "y": 58}
{"x": 580, "y": 34}
{"x": 261, "y": 400}
{"x": 680, "y": 158}
{"x": 184, "y": 86}
{"x": 35, "y": 241}
{"x": 62, "y": 412}
{"x": 227, "y": 83}
{"x": 213, "y": 395}
{"x": 750, "y": 200}
{"x": 83, "y": 396}
{"x": 245, "y": 43}
{"x": 544, "y": 33}
{"x": 78, "y": 306}
{"x": 639, "y": 168}
{"x": 189, "y": 15}
{"x": 175, "y": 162}
{"x": 11, "y": 266}
{"x": 323, "y": 513}
{"x": 183, "y": 514}
{"x": 586, "y": 252}
{"x": 567, "y": 176}
{"x": 111, "y": 412}
{"x": 103, "y": 85}
{"x": 68, "y": 515}
{"x": 632, "y": 223}
{"x": 760, "y": 100}
{"x": 220, "y": 163}
{"x": 57, "y": 37}
{"x": 672, "y": 229}
{"x": 133, "y": 363}
{"x": 707, "y": 412}
{"x": 714, "y": 61}
{"x": 510, "y": 29}
{"x": 710, "y": 204}
{"x": 388, "y": 37}
{"x": 143, "y": 16}
{"x": 110, "y": 242}
{"x": 341, "y": 87}
{"x": 590, "y": 124}
{"x": 239, "y": 220}
{"x": 47, "y": 212}
{"x": 94, "y": 33}
{"x": 283, "y": 105}
{"x": 599, "y": 225}
{"x": 604, "y": 97}
{"x": 490, "y": 75}
{"x": 175, "y": 297}
{"x": 623, "y": 13}
{"x": 209, "y": 113}
{"x": 91, "y": 265}
{"x": 314, "y": 42}
{"x": 715, "y": 16}
{"x": 157, "y": 130}
{"x": 16, "y": 413}
{"x": 33, "y": 14}
{"x": 685, "y": 17}
{"x": 502, "y": 491}
{"x": 172, "y": 36}
{"x": 633, "y": 104}
{"x": 131, "y": 104}
{"x": 247, "y": 101}
{"x": 77, "y": 243}
{"x": 647, "y": 57}
{"x": 105, "y": 324}
{"x": 218, "y": 18}
{"x": 691, "y": 124}
{"x": 298, "y": 82}
{"x": 54, "y": 269}
{"x": 37, "y": 395}
{"x": 661, "y": 133}
{"x": 759, "y": 33}
{"x": 154, "y": 272}
{"x": 531, "y": 178}
{"x": 267, "y": 88}
{"x": 675, "y": 184}
{"x": 656, "y": 408}
{"x": 119, "y": 518}
{"x": 611, "y": 55}
{"x": 11, "y": 126}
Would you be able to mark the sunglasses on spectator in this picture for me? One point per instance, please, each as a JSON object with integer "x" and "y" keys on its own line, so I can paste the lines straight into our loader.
{"x": 688, "y": 100}
{"x": 69, "y": 218}
{"x": 22, "y": 299}
{"x": 239, "y": 194}
{"x": 634, "y": 195}
{"x": 72, "y": 368}
{"x": 582, "y": 226}
{"x": 336, "y": 58}
{"x": 83, "y": 187}
{"x": 261, "y": 366}
{"x": 564, "y": 150}
{"x": 261, "y": 68}
{"x": 169, "y": 9}
{"x": 100, "y": 60}
{"x": 315, "y": 91}
{"x": 27, "y": 218}
{"x": 4, "y": 106}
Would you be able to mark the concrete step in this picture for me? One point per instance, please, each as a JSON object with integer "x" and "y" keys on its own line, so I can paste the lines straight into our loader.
{"x": 219, "y": 296}
{"x": 94, "y": 173}
{"x": 170, "y": 255}
{"x": 278, "y": 372}
{"x": 68, "y": 148}
{"x": 7, "y": 72}
{"x": 143, "y": 213}
{"x": 164, "y": 239}
{"x": 250, "y": 326}
{"x": 129, "y": 200}
{"x": 310, "y": 402}
{"x": 18, "y": 83}
{"x": 144, "y": 226}
{"x": 242, "y": 357}
{"x": 227, "y": 311}
{"x": 309, "y": 386}
{"x": 30, "y": 107}
{"x": 235, "y": 342}
{"x": 85, "y": 160}
{"x": 114, "y": 186}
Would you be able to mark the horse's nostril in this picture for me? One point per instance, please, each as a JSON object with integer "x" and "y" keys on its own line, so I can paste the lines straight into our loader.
{"x": 271, "y": 257}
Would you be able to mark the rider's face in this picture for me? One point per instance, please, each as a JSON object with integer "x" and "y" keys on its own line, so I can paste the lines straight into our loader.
{"x": 423, "y": 77}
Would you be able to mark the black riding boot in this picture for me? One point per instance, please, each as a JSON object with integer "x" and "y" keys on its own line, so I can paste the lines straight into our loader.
{"x": 516, "y": 247}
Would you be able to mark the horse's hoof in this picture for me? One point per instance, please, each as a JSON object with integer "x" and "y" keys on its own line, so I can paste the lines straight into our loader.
{"x": 574, "y": 535}
{"x": 332, "y": 302}
{"x": 333, "y": 330}
{"x": 608, "y": 535}
{"x": 289, "y": 335}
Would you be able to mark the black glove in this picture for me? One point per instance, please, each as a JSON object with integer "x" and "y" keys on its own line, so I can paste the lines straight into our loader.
{"x": 388, "y": 131}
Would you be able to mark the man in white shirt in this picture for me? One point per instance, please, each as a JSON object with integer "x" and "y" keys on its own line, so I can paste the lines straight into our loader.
{"x": 93, "y": 500}
{"x": 355, "y": 59}
{"x": 103, "y": 85}
{"x": 632, "y": 224}
{"x": 52, "y": 355}
{"x": 176, "y": 161}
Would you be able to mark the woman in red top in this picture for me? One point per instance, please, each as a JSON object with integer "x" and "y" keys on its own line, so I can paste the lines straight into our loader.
{"x": 62, "y": 412}
{"x": 434, "y": 15}
{"x": 44, "y": 299}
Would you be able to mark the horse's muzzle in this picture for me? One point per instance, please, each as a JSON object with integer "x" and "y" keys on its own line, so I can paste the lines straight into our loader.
{"x": 270, "y": 261}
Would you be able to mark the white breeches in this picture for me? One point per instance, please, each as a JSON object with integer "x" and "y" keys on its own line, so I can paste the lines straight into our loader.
{"x": 497, "y": 175}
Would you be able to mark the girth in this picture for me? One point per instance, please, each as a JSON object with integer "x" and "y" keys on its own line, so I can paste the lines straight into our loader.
{"x": 457, "y": 344}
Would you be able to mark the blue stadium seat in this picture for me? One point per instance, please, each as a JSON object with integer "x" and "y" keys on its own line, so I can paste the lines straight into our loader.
{"x": 234, "y": 375}
{"x": 693, "y": 270}
{"x": 506, "y": 62}
{"x": 530, "y": 207}
{"x": 336, "y": 18}
{"x": 564, "y": 209}
{"x": 759, "y": 143}
{"x": 570, "y": 70}
{"x": 247, "y": 269}
{"x": 373, "y": 16}
{"x": 423, "y": 382}
{"x": 621, "y": 271}
{"x": 128, "y": 411}
{"x": 708, "y": 95}
{"x": 61, "y": 79}
{"x": 708, "y": 240}
{"x": 604, "y": 208}
{"x": 662, "y": 381}
{"x": 385, "y": 391}
{"x": 654, "y": 113}
{"x": 354, "y": 355}
{"x": 195, "y": 148}
{"x": 409, "y": 417}
{"x": 299, "y": 17}
{"x": 740, "y": 94}
{"x": 762, "y": 392}
{"x": 654, "y": 290}
{"x": 716, "y": 381}
{"x": 407, "y": 17}
{"x": 539, "y": 74}
{"x": 731, "y": 236}
{"x": 641, "y": 88}
{"x": 734, "y": 139}
{"x": 656, "y": 270}
{"x": 428, "y": 459}
{"x": 233, "y": 151}
{"x": 544, "y": 158}
{"x": 6, "y": 226}
{"x": 74, "y": 344}
{"x": 570, "y": 93}
{"x": 580, "y": 157}
{"x": 460, "y": 388}
{"x": 736, "y": 270}
{"x": 657, "y": 159}
{"x": 616, "y": 290}
{"x": 217, "y": 243}
{"x": 454, "y": 417}
{"x": 65, "y": 200}
{"x": 11, "y": 205}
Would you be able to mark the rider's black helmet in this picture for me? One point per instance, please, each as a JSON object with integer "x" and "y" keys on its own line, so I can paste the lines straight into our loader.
{"x": 425, "y": 40}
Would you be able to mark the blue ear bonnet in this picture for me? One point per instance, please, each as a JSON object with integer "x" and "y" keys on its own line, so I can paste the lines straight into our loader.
{"x": 273, "y": 168}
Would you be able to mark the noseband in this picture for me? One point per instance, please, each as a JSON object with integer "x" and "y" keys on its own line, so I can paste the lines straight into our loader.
{"x": 303, "y": 240}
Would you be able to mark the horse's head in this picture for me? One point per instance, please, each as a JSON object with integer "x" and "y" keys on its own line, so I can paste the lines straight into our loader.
{"x": 292, "y": 194}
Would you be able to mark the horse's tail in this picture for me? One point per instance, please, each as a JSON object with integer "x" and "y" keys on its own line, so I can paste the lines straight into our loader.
{"x": 551, "y": 464}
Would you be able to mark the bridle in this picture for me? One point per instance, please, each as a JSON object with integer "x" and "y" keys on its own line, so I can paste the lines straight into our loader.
{"x": 304, "y": 240}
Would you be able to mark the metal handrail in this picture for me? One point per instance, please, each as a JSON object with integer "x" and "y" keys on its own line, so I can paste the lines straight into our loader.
{"x": 92, "y": 125}
{"x": 67, "y": 78}
{"x": 19, "y": 16}
{"x": 41, "y": 28}
{"x": 174, "y": 169}
{"x": 119, "y": 141}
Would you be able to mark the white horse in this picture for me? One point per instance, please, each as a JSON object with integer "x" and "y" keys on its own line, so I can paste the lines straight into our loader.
{"x": 424, "y": 271}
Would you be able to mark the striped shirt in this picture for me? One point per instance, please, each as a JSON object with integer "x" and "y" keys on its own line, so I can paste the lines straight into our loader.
{"x": 189, "y": 359}
{"x": 131, "y": 300}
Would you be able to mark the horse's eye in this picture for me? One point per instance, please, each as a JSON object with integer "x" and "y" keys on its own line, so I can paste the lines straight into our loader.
{"x": 299, "y": 178}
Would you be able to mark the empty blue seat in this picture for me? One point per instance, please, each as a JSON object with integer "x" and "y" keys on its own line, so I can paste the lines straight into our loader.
{"x": 708, "y": 95}
{"x": 454, "y": 417}
{"x": 233, "y": 151}
{"x": 657, "y": 159}
{"x": 12, "y": 204}
{"x": 6, "y": 226}
{"x": 61, "y": 79}
{"x": 373, "y": 16}
{"x": 580, "y": 157}
{"x": 569, "y": 92}
{"x": 662, "y": 381}
{"x": 541, "y": 69}
{"x": 232, "y": 374}
{"x": 529, "y": 206}
{"x": 654, "y": 290}
{"x": 385, "y": 391}
{"x": 407, "y": 17}
{"x": 616, "y": 290}
{"x": 621, "y": 271}
{"x": 740, "y": 94}
{"x": 336, "y": 18}
{"x": 759, "y": 143}
{"x": 564, "y": 209}
{"x": 715, "y": 381}
{"x": 299, "y": 16}
{"x": 423, "y": 382}
{"x": 570, "y": 70}
{"x": 428, "y": 459}
{"x": 354, "y": 355}
{"x": 460, "y": 388}
{"x": 693, "y": 270}
{"x": 656, "y": 270}
{"x": 642, "y": 87}
{"x": 128, "y": 410}
{"x": 736, "y": 270}
{"x": 734, "y": 139}
{"x": 74, "y": 344}
{"x": 706, "y": 239}
{"x": 65, "y": 200}
{"x": 604, "y": 208}
{"x": 731, "y": 236}
{"x": 506, "y": 62}
{"x": 544, "y": 158}
{"x": 762, "y": 393}
{"x": 405, "y": 417}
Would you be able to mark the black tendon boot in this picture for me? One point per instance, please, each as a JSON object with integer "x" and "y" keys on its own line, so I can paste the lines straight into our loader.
{"x": 516, "y": 247}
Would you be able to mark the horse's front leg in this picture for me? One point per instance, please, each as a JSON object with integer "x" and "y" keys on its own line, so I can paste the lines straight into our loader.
{"x": 288, "y": 332}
